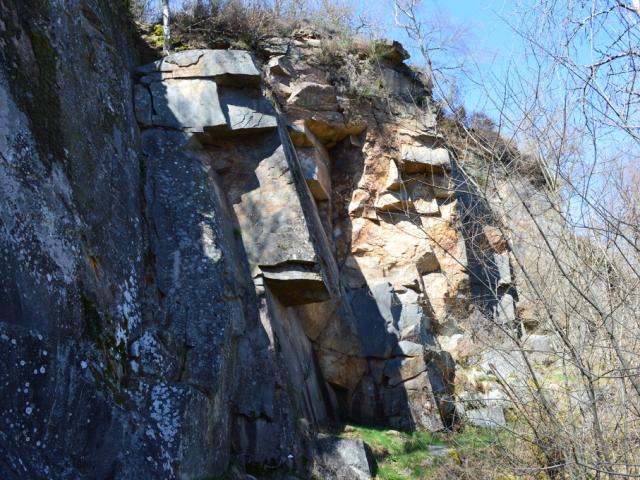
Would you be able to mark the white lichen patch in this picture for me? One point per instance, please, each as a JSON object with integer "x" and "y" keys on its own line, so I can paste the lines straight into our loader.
{"x": 165, "y": 411}
{"x": 149, "y": 350}
{"x": 210, "y": 249}
{"x": 129, "y": 309}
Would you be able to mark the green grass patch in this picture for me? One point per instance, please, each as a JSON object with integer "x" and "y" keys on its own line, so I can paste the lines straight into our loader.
{"x": 419, "y": 455}
{"x": 400, "y": 455}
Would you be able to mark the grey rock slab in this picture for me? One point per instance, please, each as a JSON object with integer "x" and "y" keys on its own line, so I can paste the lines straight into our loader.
{"x": 191, "y": 103}
{"x": 377, "y": 311}
{"x": 280, "y": 66}
{"x": 246, "y": 110}
{"x": 418, "y": 158}
{"x": 409, "y": 349}
{"x": 401, "y": 369}
{"x": 228, "y": 67}
{"x": 295, "y": 283}
{"x": 193, "y": 264}
{"x": 341, "y": 459}
{"x": 505, "y": 310}
{"x": 275, "y": 46}
{"x": 313, "y": 96}
{"x": 316, "y": 172}
{"x": 399, "y": 83}
{"x": 487, "y": 417}
{"x": 503, "y": 266}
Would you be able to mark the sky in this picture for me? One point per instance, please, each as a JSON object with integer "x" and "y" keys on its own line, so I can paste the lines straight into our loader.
{"x": 486, "y": 41}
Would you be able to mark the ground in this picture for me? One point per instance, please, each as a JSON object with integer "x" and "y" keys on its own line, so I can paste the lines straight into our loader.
{"x": 423, "y": 455}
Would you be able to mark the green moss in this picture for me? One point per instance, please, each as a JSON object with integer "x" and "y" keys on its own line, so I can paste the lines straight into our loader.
{"x": 33, "y": 83}
{"x": 158, "y": 30}
{"x": 240, "y": 44}
{"x": 99, "y": 332}
{"x": 92, "y": 323}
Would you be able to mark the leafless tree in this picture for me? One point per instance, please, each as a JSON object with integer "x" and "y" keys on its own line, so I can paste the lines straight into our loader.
{"x": 166, "y": 27}
{"x": 557, "y": 172}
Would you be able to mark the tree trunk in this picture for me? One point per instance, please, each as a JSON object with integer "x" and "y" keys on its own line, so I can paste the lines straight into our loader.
{"x": 166, "y": 30}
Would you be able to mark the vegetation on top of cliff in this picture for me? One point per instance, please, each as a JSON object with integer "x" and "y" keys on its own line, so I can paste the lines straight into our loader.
{"x": 242, "y": 24}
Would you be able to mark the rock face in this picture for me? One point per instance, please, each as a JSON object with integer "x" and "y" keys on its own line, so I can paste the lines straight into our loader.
{"x": 194, "y": 275}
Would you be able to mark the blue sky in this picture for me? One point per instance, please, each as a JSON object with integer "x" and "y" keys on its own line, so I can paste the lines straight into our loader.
{"x": 490, "y": 44}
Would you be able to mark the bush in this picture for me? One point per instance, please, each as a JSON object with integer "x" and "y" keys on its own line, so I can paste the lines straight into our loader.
{"x": 216, "y": 23}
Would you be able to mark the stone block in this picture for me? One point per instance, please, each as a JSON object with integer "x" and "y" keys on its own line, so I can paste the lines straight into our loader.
{"x": 501, "y": 261}
{"x": 226, "y": 67}
{"x": 313, "y": 96}
{"x": 314, "y": 162}
{"x": 246, "y": 110}
{"x": 418, "y": 158}
{"x": 295, "y": 283}
{"x": 187, "y": 104}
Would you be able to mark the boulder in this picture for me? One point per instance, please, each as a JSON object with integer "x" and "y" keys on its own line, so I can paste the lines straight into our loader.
{"x": 426, "y": 207}
{"x": 392, "y": 51}
{"x": 437, "y": 290}
{"x": 329, "y": 127}
{"x": 280, "y": 66}
{"x": 486, "y": 417}
{"x": 414, "y": 324}
{"x": 505, "y": 311}
{"x": 409, "y": 349}
{"x": 335, "y": 458}
{"x": 313, "y": 96}
{"x": 422, "y": 405}
{"x": 423, "y": 199}
{"x": 226, "y": 67}
{"x": 458, "y": 345}
{"x": 399, "y": 251}
{"x": 401, "y": 369}
{"x": 359, "y": 199}
{"x": 418, "y": 158}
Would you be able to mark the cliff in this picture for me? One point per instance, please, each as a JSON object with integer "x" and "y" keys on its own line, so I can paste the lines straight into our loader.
{"x": 215, "y": 258}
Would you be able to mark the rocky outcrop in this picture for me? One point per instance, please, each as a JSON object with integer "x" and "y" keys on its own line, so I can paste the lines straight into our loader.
{"x": 212, "y": 258}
